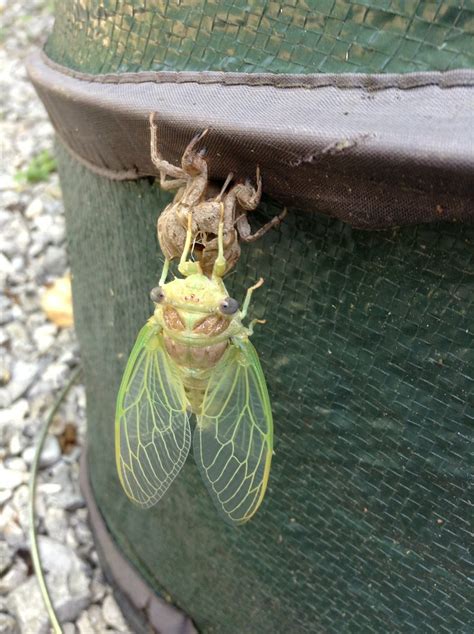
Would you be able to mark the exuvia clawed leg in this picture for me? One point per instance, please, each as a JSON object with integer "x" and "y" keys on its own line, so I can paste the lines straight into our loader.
{"x": 224, "y": 187}
{"x": 165, "y": 168}
{"x": 192, "y": 162}
{"x": 194, "y": 166}
{"x": 248, "y": 199}
{"x": 248, "y": 196}
{"x": 244, "y": 230}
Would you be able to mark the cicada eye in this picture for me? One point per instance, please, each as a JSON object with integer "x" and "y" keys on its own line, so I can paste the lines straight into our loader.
{"x": 157, "y": 295}
{"x": 229, "y": 306}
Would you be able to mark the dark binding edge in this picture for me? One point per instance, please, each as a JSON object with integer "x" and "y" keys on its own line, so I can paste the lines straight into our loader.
{"x": 141, "y": 606}
{"x": 401, "y": 156}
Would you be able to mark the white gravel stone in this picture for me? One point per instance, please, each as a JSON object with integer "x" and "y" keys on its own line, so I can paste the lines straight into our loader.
{"x": 15, "y": 414}
{"x": 6, "y": 269}
{"x": 112, "y": 614}
{"x": 52, "y": 263}
{"x": 56, "y": 523}
{"x": 8, "y": 624}
{"x": 36, "y": 364}
{"x": 92, "y": 621}
{"x": 73, "y": 456}
{"x": 22, "y": 348}
{"x": 57, "y": 373}
{"x": 26, "y": 603}
{"x": 6, "y": 557}
{"x": 48, "y": 488}
{"x": 83, "y": 533}
{"x": 10, "y": 478}
{"x": 44, "y": 337}
{"x": 57, "y": 558}
{"x": 17, "y": 443}
{"x": 23, "y": 375}
{"x": 50, "y": 453}
{"x": 5, "y": 369}
{"x": 15, "y": 576}
{"x": 16, "y": 463}
{"x": 68, "y": 582}
{"x": 20, "y": 503}
{"x": 71, "y": 541}
{"x": 15, "y": 237}
{"x": 68, "y": 495}
{"x": 4, "y": 496}
{"x": 34, "y": 209}
{"x": 10, "y": 528}
{"x": 98, "y": 586}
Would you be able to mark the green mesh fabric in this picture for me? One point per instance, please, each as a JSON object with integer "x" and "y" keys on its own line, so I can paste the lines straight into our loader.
{"x": 327, "y": 36}
{"x": 367, "y": 350}
{"x": 369, "y": 361}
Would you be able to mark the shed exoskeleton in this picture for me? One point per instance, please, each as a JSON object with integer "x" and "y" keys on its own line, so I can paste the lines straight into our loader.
{"x": 194, "y": 193}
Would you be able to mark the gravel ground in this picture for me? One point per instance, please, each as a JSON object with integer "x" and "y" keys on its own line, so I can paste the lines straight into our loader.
{"x": 37, "y": 358}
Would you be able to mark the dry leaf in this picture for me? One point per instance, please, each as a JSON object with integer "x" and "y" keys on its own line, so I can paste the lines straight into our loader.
{"x": 57, "y": 302}
{"x": 68, "y": 438}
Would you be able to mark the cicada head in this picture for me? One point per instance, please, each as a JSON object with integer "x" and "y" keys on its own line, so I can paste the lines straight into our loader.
{"x": 195, "y": 303}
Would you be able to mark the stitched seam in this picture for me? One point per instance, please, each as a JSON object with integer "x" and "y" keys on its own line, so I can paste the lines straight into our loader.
{"x": 349, "y": 81}
{"x": 105, "y": 172}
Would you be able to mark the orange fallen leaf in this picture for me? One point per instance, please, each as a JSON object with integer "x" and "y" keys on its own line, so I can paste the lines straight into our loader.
{"x": 57, "y": 302}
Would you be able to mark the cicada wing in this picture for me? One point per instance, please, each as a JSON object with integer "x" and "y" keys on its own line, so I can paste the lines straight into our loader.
{"x": 233, "y": 439}
{"x": 152, "y": 433}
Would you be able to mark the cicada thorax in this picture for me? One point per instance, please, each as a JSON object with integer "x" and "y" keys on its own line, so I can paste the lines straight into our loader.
{"x": 197, "y": 349}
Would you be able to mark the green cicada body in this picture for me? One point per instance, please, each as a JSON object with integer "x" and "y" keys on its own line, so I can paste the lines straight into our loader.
{"x": 194, "y": 357}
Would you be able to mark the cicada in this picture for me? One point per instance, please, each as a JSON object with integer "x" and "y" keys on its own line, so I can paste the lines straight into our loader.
{"x": 194, "y": 357}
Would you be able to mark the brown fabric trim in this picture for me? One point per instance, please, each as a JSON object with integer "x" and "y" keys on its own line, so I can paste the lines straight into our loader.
{"x": 159, "y": 616}
{"x": 373, "y": 150}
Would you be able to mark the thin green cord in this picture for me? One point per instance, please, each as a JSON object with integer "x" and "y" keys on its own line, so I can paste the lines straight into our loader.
{"x": 35, "y": 556}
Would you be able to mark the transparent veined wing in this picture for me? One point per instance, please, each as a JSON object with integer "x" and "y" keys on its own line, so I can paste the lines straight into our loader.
{"x": 152, "y": 434}
{"x": 233, "y": 439}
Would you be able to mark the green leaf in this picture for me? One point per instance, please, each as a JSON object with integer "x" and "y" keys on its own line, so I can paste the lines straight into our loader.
{"x": 39, "y": 169}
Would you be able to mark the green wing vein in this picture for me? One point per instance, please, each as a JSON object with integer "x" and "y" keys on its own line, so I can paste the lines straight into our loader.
{"x": 152, "y": 426}
{"x": 234, "y": 434}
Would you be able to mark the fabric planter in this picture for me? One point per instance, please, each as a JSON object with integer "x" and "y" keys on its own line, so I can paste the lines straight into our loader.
{"x": 368, "y": 343}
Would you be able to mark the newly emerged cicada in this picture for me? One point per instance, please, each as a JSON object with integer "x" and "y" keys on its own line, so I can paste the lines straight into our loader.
{"x": 194, "y": 357}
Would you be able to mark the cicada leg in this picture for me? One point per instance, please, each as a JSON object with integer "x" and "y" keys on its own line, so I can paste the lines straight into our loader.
{"x": 252, "y": 324}
{"x": 248, "y": 297}
{"x": 164, "y": 272}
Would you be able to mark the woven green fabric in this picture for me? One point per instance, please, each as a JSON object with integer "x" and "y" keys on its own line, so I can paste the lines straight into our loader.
{"x": 290, "y": 36}
{"x": 368, "y": 357}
